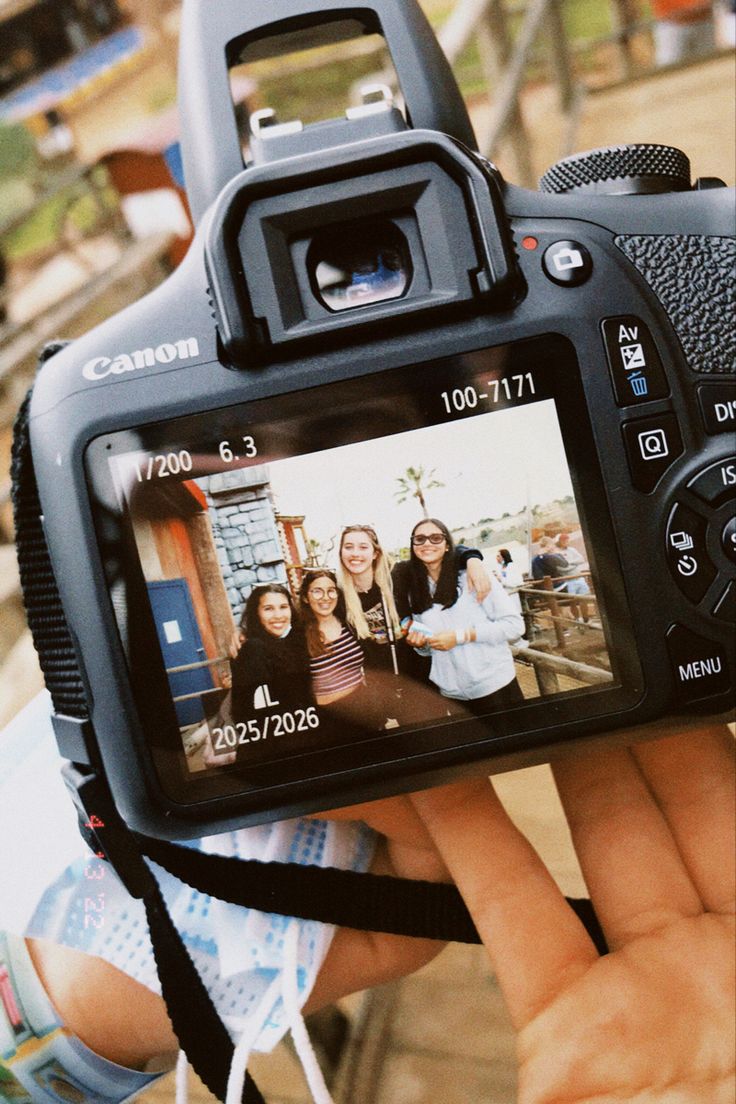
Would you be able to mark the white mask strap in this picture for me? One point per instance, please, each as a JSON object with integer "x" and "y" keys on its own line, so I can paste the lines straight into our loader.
{"x": 300, "y": 1035}
{"x": 182, "y": 1078}
{"x": 241, "y": 1054}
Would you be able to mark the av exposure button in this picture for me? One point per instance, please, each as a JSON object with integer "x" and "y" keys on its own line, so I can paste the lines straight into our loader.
{"x": 689, "y": 562}
{"x": 717, "y": 483}
{"x": 717, "y": 403}
{"x": 636, "y": 370}
{"x": 652, "y": 444}
{"x": 699, "y": 665}
{"x": 567, "y": 263}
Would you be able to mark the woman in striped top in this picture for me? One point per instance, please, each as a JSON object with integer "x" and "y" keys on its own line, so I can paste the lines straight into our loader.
{"x": 336, "y": 660}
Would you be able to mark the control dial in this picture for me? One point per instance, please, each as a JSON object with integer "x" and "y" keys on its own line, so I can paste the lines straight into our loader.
{"x": 620, "y": 170}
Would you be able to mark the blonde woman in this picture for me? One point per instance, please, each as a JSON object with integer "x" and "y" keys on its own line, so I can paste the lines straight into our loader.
{"x": 364, "y": 574}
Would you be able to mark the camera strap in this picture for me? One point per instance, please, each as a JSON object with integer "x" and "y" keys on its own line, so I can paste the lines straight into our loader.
{"x": 347, "y": 898}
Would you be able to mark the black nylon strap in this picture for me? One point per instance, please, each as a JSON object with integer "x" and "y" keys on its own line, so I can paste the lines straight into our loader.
{"x": 200, "y": 1031}
{"x": 369, "y": 902}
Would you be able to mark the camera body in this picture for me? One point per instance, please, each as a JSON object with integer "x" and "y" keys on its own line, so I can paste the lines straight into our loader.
{"x": 366, "y": 304}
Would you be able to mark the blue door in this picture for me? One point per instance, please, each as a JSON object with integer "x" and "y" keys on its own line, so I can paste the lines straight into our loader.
{"x": 181, "y": 644}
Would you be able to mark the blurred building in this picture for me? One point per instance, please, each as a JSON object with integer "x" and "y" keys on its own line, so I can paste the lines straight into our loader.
{"x": 77, "y": 73}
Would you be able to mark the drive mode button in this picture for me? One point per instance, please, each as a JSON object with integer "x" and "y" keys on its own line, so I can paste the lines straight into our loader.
{"x": 699, "y": 665}
{"x": 686, "y": 552}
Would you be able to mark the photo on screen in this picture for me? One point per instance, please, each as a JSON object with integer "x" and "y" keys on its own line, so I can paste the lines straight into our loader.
{"x": 294, "y": 611}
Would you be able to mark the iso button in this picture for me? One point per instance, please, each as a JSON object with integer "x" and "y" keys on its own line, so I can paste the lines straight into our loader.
{"x": 686, "y": 552}
{"x": 717, "y": 483}
{"x": 567, "y": 263}
{"x": 700, "y": 666}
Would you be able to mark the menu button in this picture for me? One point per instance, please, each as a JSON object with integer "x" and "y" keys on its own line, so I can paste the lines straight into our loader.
{"x": 699, "y": 665}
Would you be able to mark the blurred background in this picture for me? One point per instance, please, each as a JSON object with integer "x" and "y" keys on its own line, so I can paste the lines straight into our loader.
{"x": 93, "y": 215}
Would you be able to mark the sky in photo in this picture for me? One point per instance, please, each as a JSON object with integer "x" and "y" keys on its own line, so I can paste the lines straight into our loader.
{"x": 489, "y": 465}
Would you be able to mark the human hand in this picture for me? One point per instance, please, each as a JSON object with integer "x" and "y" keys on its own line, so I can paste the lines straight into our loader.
{"x": 479, "y": 581}
{"x": 653, "y": 828}
{"x": 443, "y": 642}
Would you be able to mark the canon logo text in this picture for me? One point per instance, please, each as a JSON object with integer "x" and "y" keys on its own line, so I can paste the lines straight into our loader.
{"x": 101, "y": 367}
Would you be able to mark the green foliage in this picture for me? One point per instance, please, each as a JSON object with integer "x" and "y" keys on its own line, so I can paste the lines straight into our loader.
{"x": 414, "y": 483}
{"x": 327, "y": 89}
{"x": 17, "y": 152}
{"x": 583, "y": 19}
{"x": 42, "y": 229}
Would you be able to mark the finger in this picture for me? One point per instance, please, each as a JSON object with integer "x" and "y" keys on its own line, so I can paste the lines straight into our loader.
{"x": 537, "y": 945}
{"x": 359, "y": 960}
{"x": 394, "y": 817}
{"x": 637, "y": 881}
{"x": 691, "y": 776}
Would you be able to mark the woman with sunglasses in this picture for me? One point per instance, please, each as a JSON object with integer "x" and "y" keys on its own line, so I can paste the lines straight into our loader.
{"x": 468, "y": 641}
{"x": 336, "y": 662}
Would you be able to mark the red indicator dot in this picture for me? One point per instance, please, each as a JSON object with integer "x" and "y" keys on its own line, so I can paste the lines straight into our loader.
{"x": 529, "y": 242}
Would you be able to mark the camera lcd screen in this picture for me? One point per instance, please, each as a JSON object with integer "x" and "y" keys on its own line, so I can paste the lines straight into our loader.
{"x": 411, "y": 559}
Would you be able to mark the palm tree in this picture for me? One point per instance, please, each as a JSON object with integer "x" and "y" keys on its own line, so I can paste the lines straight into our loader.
{"x": 413, "y": 483}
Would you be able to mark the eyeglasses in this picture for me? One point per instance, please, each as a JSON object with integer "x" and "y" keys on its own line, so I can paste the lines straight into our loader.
{"x": 319, "y": 593}
{"x": 433, "y": 538}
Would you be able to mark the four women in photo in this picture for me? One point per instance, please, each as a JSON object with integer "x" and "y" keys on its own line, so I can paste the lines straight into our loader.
{"x": 345, "y": 651}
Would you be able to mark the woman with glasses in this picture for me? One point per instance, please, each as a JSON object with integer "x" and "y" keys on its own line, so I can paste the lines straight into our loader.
{"x": 336, "y": 663}
{"x": 468, "y": 641}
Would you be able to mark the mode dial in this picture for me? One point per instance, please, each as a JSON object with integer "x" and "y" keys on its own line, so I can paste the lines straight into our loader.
{"x": 620, "y": 170}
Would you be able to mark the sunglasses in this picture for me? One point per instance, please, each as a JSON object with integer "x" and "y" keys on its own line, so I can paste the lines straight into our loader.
{"x": 433, "y": 538}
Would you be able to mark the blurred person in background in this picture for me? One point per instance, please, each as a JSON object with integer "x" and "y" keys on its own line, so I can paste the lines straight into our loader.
{"x": 683, "y": 30}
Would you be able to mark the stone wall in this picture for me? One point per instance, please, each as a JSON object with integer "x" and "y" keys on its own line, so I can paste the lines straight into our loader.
{"x": 244, "y": 530}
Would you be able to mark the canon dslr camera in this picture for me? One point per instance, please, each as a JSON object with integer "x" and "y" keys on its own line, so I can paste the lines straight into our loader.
{"x": 264, "y": 486}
